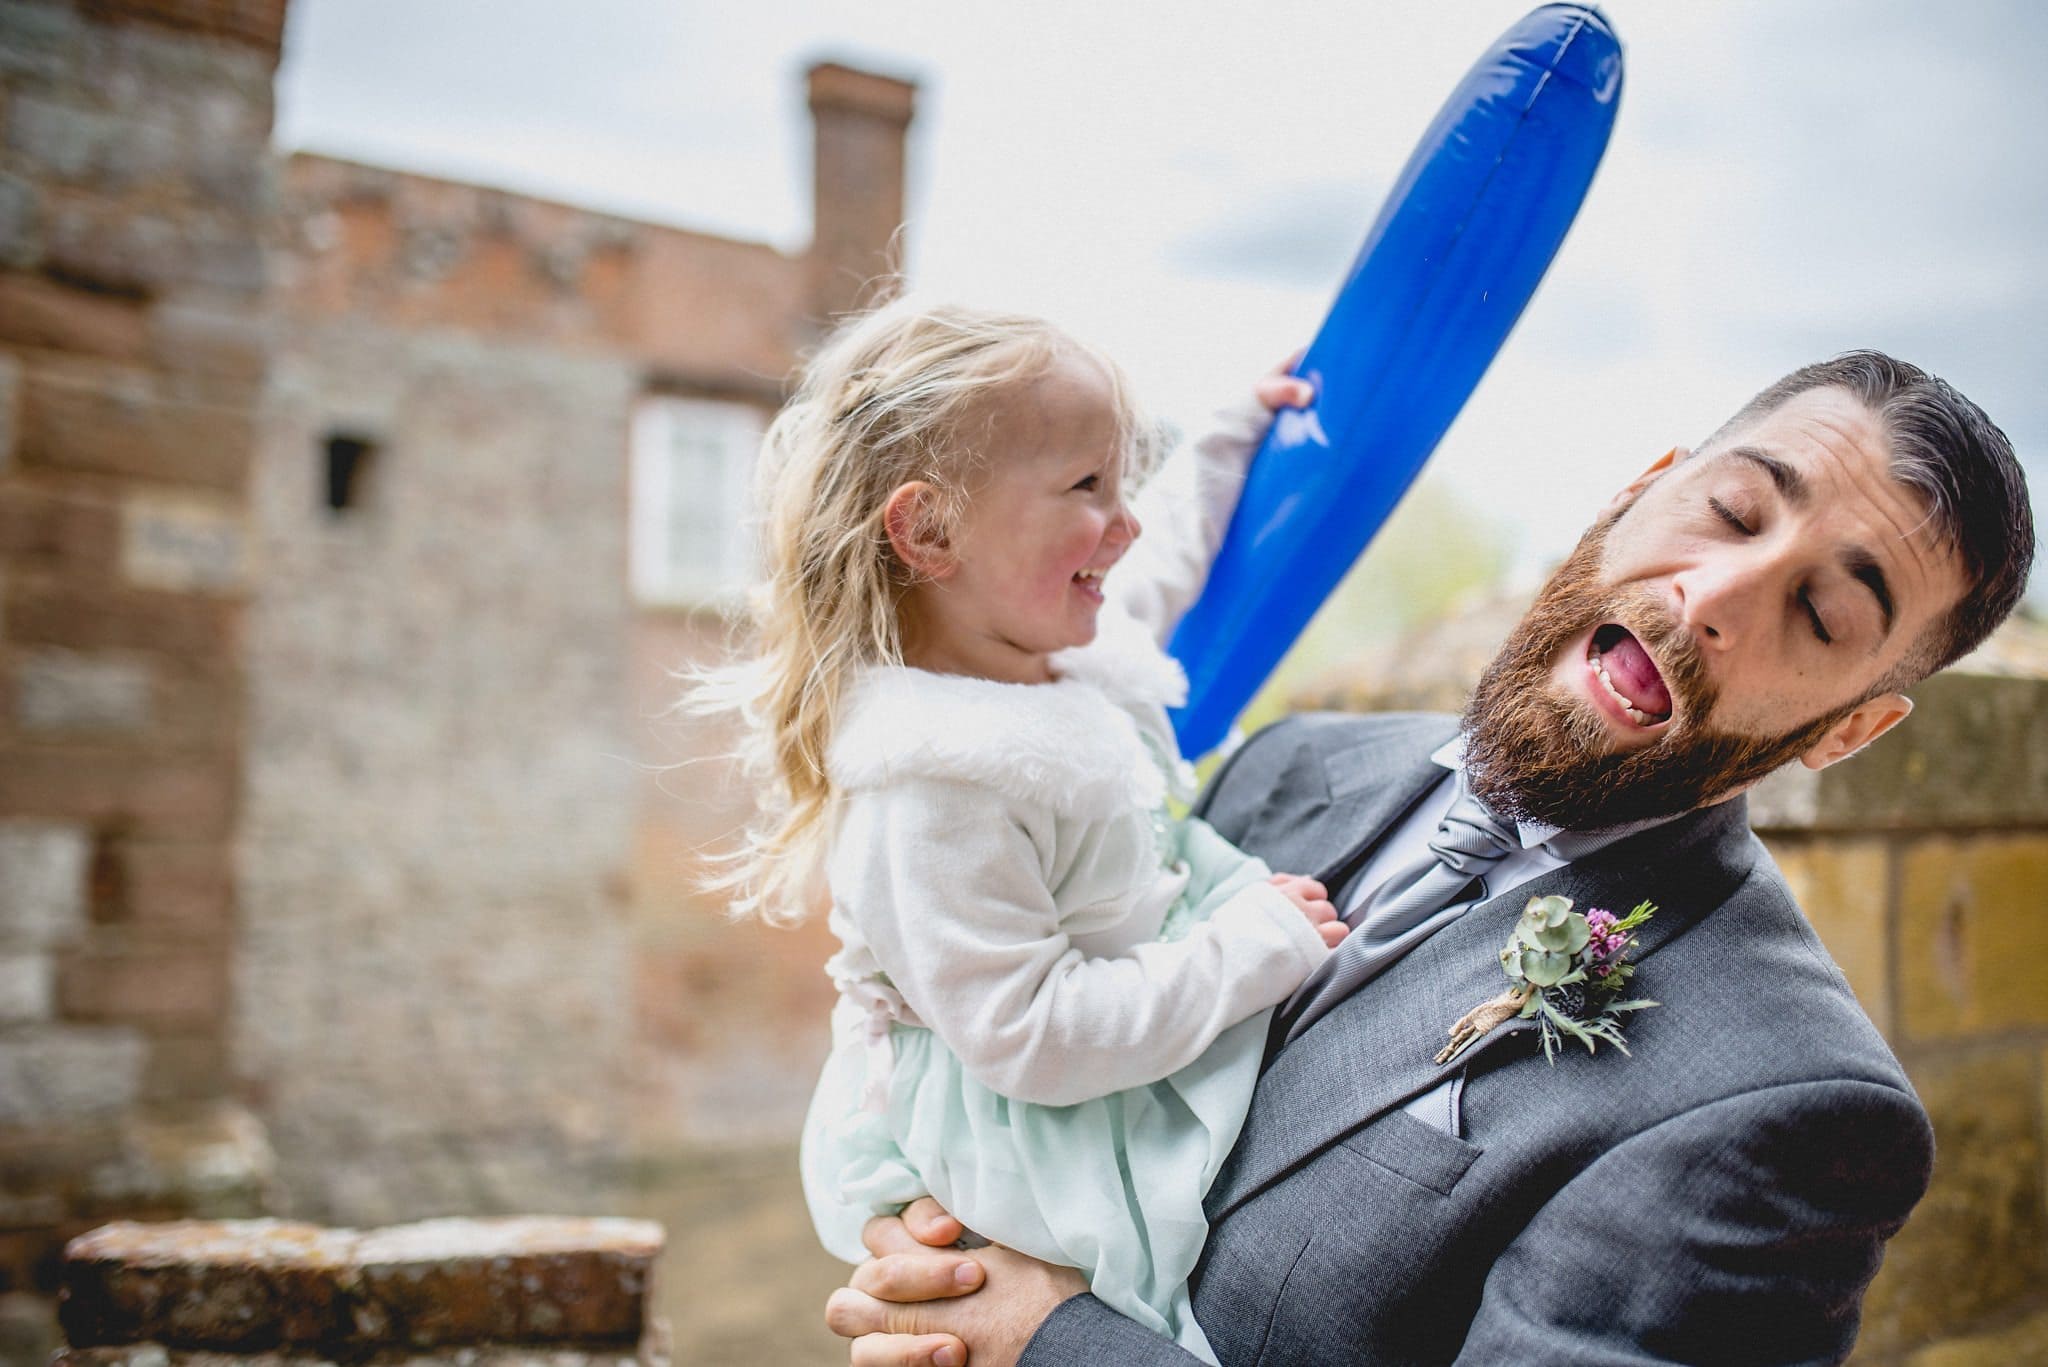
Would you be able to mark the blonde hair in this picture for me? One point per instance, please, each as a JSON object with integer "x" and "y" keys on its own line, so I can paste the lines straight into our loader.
{"x": 895, "y": 396}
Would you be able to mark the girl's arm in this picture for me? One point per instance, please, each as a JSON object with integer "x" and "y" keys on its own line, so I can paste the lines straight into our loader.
{"x": 948, "y": 883}
{"x": 1185, "y": 508}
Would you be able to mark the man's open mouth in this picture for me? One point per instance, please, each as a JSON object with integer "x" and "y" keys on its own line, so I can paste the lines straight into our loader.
{"x": 1624, "y": 669}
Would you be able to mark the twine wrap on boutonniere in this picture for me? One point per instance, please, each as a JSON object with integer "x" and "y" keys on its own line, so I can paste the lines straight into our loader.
{"x": 1568, "y": 972}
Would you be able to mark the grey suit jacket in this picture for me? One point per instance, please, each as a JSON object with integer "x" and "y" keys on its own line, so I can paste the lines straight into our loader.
{"x": 1721, "y": 1195}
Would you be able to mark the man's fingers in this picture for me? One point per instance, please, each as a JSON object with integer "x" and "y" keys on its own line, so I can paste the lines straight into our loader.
{"x": 925, "y": 1276}
{"x": 1333, "y": 933}
{"x": 930, "y": 1225}
{"x": 908, "y": 1350}
{"x": 885, "y": 1234}
{"x": 892, "y": 1333}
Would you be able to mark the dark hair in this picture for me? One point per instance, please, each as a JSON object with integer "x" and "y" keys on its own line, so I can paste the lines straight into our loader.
{"x": 1948, "y": 451}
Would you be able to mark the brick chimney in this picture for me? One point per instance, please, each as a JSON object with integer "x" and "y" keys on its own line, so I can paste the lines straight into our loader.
{"x": 857, "y": 205}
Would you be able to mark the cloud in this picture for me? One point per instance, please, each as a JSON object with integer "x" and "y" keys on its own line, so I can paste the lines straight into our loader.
{"x": 1293, "y": 234}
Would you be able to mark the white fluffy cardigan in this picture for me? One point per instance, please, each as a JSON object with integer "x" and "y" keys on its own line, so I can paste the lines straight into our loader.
{"x": 996, "y": 869}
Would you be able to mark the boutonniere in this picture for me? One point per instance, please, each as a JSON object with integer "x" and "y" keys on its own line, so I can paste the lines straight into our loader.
{"x": 1568, "y": 972}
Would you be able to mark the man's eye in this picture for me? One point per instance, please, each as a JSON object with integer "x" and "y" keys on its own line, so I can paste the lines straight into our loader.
{"x": 1727, "y": 515}
{"x": 1820, "y": 628}
{"x": 1088, "y": 484}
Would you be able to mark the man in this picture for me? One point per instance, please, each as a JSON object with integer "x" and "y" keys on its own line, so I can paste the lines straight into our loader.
{"x": 1722, "y": 1192}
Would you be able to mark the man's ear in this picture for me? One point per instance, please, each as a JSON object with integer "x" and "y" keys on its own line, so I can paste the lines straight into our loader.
{"x": 916, "y": 527}
{"x": 1865, "y": 724}
{"x": 1642, "y": 481}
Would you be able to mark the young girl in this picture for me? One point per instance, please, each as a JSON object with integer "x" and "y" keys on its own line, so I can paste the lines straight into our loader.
{"x": 1052, "y": 991}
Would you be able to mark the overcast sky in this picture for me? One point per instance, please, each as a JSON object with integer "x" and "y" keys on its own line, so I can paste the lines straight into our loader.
{"x": 1185, "y": 181}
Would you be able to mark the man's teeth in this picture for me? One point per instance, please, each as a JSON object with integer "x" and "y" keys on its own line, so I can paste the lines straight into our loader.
{"x": 1635, "y": 714}
{"x": 1091, "y": 575}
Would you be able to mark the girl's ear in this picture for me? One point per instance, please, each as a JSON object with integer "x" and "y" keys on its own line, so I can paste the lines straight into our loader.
{"x": 917, "y": 530}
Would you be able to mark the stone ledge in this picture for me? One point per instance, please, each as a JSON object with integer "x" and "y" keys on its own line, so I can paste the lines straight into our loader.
{"x": 1974, "y": 754}
{"x": 651, "y": 1351}
{"x": 252, "y": 1286}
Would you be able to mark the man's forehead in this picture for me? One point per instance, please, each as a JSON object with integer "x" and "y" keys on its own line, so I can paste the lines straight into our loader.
{"x": 1812, "y": 424}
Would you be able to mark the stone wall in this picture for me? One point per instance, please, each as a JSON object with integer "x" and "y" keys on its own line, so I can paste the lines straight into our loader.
{"x": 430, "y": 1014}
{"x": 1921, "y": 863}
{"x": 135, "y": 185}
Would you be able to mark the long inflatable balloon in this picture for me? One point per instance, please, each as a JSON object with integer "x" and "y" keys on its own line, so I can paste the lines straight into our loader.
{"x": 1458, "y": 248}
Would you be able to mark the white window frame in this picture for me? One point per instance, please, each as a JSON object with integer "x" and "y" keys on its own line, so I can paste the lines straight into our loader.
{"x": 721, "y": 438}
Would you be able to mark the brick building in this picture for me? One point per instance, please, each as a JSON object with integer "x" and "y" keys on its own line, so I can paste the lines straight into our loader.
{"x": 350, "y": 523}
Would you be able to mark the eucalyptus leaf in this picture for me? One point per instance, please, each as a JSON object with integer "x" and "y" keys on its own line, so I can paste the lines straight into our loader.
{"x": 1545, "y": 969}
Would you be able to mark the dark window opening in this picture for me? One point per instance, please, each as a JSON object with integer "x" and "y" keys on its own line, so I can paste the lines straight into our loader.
{"x": 350, "y": 461}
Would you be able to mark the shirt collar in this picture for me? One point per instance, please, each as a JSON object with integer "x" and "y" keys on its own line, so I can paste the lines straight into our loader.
{"x": 1534, "y": 834}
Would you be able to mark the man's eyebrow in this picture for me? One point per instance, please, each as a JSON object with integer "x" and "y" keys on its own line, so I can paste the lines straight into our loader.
{"x": 1864, "y": 569}
{"x": 1791, "y": 484}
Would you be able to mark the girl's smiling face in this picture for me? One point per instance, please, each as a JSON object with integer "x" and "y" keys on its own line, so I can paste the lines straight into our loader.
{"x": 1020, "y": 573}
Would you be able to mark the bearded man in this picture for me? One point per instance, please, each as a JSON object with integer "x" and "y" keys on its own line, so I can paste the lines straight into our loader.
{"x": 1723, "y": 1191}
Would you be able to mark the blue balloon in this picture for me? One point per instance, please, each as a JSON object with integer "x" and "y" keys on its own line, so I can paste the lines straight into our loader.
{"x": 1457, "y": 250}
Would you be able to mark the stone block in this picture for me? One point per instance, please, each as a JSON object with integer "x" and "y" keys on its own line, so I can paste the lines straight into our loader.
{"x": 1917, "y": 778}
{"x": 38, "y": 38}
{"x": 246, "y": 1285}
{"x": 67, "y": 1073}
{"x": 652, "y": 1351}
{"x": 42, "y": 883}
{"x": 255, "y": 27}
{"x": 221, "y": 343}
{"x": 177, "y": 888}
{"x": 122, "y": 251}
{"x": 1977, "y": 1245}
{"x": 51, "y": 316}
{"x": 62, "y": 140}
{"x": 21, "y": 243}
{"x": 181, "y": 797}
{"x": 184, "y": 545}
{"x": 84, "y": 617}
{"x": 58, "y": 690}
{"x": 1844, "y": 887}
{"x": 26, "y": 981}
{"x": 10, "y": 405}
{"x": 210, "y": 1159}
{"x": 187, "y": 1068}
{"x": 263, "y": 1284}
{"x": 1973, "y": 955}
{"x": 116, "y": 421}
{"x": 72, "y": 534}
{"x": 166, "y": 985}
{"x": 2023, "y": 1341}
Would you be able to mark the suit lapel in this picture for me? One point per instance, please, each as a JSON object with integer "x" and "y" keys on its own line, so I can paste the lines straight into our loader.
{"x": 1376, "y": 1049}
{"x": 1372, "y": 785}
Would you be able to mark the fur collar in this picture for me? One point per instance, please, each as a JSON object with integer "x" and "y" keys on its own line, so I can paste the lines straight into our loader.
{"x": 1071, "y": 745}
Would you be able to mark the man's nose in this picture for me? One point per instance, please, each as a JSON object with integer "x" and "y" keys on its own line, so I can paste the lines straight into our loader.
{"x": 1718, "y": 601}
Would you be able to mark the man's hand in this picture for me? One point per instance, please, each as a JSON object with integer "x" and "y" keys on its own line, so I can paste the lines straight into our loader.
{"x": 899, "y": 1308}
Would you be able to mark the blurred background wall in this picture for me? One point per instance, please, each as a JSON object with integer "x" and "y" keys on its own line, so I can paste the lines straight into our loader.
{"x": 353, "y": 522}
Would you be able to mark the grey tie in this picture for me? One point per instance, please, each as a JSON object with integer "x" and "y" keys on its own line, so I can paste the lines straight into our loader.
{"x": 1412, "y": 904}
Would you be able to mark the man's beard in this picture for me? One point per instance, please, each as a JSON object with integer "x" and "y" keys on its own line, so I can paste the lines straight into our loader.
{"x": 1532, "y": 755}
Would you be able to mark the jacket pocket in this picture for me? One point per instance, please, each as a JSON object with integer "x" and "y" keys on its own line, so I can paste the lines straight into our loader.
{"x": 1413, "y": 1149}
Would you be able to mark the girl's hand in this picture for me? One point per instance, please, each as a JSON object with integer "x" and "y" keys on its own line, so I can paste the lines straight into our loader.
{"x": 1313, "y": 900}
{"x": 1280, "y": 390}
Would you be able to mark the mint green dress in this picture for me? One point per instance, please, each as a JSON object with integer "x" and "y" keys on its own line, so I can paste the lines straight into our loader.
{"x": 1112, "y": 1185}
